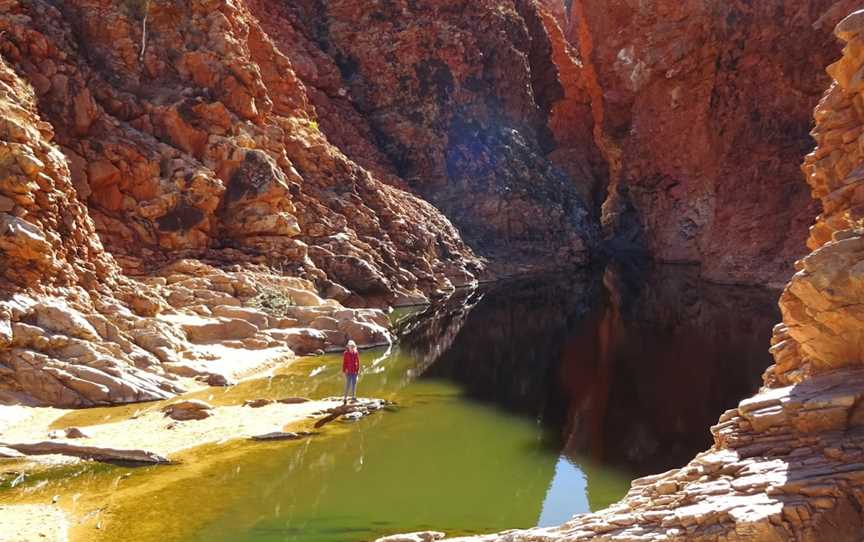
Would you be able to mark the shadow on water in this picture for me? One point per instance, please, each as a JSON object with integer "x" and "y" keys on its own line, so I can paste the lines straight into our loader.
{"x": 520, "y": 404}
{"x": 627, "y": 371}
{"x": 631, "y": 369}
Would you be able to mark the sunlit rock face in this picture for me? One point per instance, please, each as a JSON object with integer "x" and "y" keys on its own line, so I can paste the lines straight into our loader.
{"x": 189, "y": 158}
{"x": 198, "y": 139}
{"x": 787, "y": 463}
{"x": 701, "y": 113}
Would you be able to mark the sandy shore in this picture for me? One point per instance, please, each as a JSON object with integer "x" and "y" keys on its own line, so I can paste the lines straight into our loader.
{"x": 153, "y": 431}
{"x": 31, "y": 523}
{"x": 141, "y": 427}
{"x": 150, "y": 431}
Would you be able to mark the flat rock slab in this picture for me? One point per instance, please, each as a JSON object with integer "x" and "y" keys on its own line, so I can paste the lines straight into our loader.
{"x": 281, "y": 435}
{"x": 292, "y": 400}
{"x": 88, "y": 452}
{"x": 422, "y": 536}
{"x": 258, "y": 403}
{"x": 9, "y": 453}
{"x": 351, "y": 411}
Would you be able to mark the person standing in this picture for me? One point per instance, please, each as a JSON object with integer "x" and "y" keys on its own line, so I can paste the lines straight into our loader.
{"x": 351, "y": 368}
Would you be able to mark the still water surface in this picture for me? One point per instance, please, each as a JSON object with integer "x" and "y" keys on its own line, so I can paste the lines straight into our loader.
{"x": 518, "y": 405}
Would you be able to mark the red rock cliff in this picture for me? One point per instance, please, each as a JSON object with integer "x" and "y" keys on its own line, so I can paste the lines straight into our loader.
{"x": 198, "y": 136}
{"x": 702, "y": 113}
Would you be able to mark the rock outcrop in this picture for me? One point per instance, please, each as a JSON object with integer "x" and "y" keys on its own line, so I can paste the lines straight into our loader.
{"x": 787, "y": 463}
{"x": 198, "y": 139}
{"x": 190, "y": 409}
{"x": 454, "y": 99}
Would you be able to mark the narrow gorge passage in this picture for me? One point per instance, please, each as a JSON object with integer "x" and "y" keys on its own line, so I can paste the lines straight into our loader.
{"x": 519, "y": 404}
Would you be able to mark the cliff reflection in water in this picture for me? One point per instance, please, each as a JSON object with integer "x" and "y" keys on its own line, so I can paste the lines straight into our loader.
{"x": 629, "y": 370}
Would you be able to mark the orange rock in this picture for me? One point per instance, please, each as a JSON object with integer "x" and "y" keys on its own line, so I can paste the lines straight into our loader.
{"x": 102, "y": 174}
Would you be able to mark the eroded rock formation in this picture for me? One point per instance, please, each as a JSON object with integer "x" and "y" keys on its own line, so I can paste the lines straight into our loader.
{"x": 75, "y": 330}
{"x": 454, "y": 98}
{"x": 787, "y": 463}
{"x": 701, "y": 112}
{"x": 199, "y": 139}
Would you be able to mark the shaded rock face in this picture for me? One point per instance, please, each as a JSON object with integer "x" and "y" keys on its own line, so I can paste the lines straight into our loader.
{"x": 455, "y": 98}
{"x": 787, "y": 463}
{"x": 701, "y": 113}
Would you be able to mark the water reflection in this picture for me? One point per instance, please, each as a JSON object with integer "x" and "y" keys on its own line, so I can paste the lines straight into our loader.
{"x": 629, "y": 369}
{"x": 660, "y": 358}
{"x": 567, "y": 492}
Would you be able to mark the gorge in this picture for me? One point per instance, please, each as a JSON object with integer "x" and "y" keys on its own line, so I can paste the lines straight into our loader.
{"x": 196, "y": 195}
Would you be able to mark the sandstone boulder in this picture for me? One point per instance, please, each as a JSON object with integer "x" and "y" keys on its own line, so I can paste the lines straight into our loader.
{"x": 301, "y": 340}
{"x": 253, "y": 316}
{"x": 422, "y": 536}
{"x": 190, "y": 409}
{"x": 364, "y": 334}
{"x": 74, "y": 432}
{"x": 219, "y": 329}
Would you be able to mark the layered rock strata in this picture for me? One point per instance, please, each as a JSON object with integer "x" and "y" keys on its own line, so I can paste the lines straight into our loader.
{"x": 455, "y": 99}
{"x": 183, "y": 181}
{"x": 787, "y": 463}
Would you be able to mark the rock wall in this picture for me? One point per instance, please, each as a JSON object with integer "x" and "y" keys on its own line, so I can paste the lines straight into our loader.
{"x": 701, "y": 113}
{"x": 455, "y": 97}
{"x": 787, "y": 463}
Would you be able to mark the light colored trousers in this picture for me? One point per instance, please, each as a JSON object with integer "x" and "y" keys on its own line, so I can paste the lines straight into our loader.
{"x": 350, "y": 385}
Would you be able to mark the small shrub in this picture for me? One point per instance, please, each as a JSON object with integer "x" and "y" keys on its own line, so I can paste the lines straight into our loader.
{"x": 136, "y": 8}
{"x": 272, "y": 301}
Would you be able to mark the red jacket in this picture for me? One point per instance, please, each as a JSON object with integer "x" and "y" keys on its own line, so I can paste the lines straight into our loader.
{"x": 351, "y": 362}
